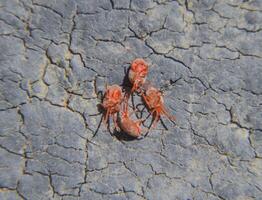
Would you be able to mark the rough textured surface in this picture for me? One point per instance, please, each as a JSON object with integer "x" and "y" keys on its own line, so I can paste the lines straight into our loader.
{"x": 55, "y": 59}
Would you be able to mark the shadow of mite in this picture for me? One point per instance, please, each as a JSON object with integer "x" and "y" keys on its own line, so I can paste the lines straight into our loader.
{"x": 126, "y": 84}
{"x": 100, "y": 108}
{"x": 122, "y": 136}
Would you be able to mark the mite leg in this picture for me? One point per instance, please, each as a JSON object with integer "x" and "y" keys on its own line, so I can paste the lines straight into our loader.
{"x": 172, "y": 118}
{"x": 106, "y": 115}
{"x": 115, "y": 122}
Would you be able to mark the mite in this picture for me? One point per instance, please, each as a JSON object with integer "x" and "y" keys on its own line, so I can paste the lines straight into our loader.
{"x": 154, "y": 101}
{"x": 128, "y": 125}
{"x": 137, "y": 73}
{"x": 112, "y": 103}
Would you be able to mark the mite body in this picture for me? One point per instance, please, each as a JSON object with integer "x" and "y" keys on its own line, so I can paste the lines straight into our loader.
{"x": 112, "y": 103}
{"x": 154, "y": 101}
{"x": 128, "y": 125}
{"x": 137, "y": 73}
{"x": 115, "y": 102}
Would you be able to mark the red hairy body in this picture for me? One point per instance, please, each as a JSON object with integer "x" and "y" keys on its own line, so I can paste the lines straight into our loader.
{"x": 137, "y": 73}
{"x": 154, "y": 101}
{"x": 112, "y": 103}
{"x": 130, "y": 126}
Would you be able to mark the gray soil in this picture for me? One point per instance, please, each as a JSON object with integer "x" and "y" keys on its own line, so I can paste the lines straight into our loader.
{"x": 56, "y": 56}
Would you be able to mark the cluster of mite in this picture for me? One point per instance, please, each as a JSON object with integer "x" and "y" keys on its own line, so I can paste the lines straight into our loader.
{"x": 115, "y": 101}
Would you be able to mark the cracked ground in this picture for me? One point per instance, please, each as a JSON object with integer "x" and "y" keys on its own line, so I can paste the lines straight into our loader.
{"x": 56, "y": 57}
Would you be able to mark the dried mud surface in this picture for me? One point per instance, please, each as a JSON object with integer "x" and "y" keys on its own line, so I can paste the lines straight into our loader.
{"x": 57, "y": 55}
